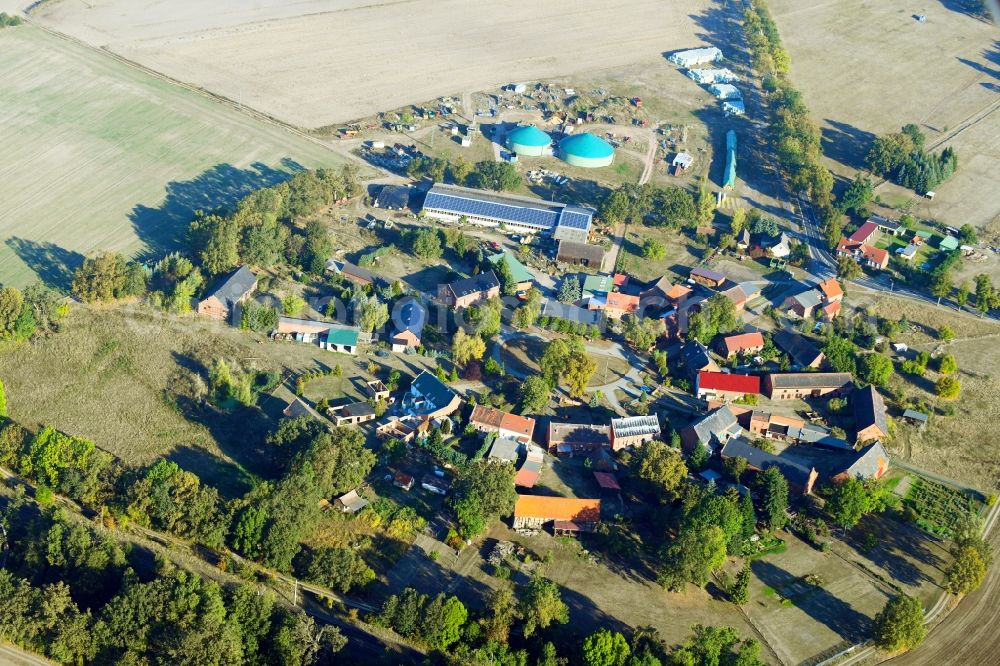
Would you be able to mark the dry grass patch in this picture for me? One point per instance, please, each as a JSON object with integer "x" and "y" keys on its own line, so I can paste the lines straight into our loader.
{"x": 961, "y": 446}
{"x": 867, "y": 68}
{"x": 318, "y": 62}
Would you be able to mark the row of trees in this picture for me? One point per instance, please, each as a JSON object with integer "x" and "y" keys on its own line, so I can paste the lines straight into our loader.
{"x": 488, "y": 174}
{"x": 797, "y": 140}
{"x": 261, "y": 231}
{"x": 268, "y": 524}
{"x": 70, "y": 593}
{"x": 442, "y": 623}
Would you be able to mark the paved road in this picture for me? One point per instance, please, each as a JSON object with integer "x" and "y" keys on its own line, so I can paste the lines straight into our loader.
{"x": 15, "y": 656}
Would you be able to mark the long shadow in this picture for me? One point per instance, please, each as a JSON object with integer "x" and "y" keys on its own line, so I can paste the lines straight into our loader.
{"x": 239, "y": 433}
{"x": 720, "y": 31}
{"x": 845, "y": 143}
{"x": 973, "y": 8}
{"x": 54, "y": 265}
{"x": 218, "y": 188}
{"x": 895, "y": 543}
{"x": 980, "y": 67}
{"x": 815, "y": 601}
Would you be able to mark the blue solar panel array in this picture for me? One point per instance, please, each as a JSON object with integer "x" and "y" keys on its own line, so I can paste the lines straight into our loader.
{"x": 575, "y": 218}
{"x": 461, "y": 205}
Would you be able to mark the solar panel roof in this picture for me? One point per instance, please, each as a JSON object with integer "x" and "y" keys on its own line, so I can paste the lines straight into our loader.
{"x": 462, "y": 204}
{"x": 575, "y": 218}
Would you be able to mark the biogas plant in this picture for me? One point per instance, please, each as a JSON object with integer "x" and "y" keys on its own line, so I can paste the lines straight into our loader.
{"x": 582, "y": 150}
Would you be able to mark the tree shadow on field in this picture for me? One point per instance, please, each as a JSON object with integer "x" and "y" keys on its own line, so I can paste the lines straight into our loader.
{"x": 239, "y": 432}
{"x": 219, "y": 188}
{"x": 54, "y": 265}
{"x": 224, "y": 476}
{"x": 720, "y": 30}
{"x": 973, "y": 8}
{"x": 845, "y": 143}
{"x": 815, "y": 602}
{"x": 980, "y": 67}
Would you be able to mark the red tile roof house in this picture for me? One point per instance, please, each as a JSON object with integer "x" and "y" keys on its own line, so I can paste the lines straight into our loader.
{"x": 831, "y": 310}
{"x": 618, "y": 305}
{"x": 831, "y": 290}
{"x": 866, "y": 233}
{"x": 724, "y": 386}
{"x": 732, "y": 345}
{"x": 866, "y": 255}
{"x": 488, "y": 419}
{"x": 534, "y": 511}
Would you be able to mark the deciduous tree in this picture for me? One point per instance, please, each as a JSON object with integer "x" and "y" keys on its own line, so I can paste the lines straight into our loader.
{"x": 900, "y": 625}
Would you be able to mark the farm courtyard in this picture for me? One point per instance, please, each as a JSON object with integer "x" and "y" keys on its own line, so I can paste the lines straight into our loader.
{"x": 99, "y": 155}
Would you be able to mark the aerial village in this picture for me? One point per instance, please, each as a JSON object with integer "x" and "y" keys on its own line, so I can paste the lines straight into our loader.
{"x": 585, "y": 348}
{"x": 758, "y": 388}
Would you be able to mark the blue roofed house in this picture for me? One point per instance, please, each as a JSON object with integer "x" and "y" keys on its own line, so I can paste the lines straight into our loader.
{"x": 430, "y": 398}
{"x": 409, "y": 316}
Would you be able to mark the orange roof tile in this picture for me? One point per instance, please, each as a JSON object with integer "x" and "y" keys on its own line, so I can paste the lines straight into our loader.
{"x": 875, "y": 254}
{"x": 621, "y": 301}
{"x": 678, "y": 291}
{"x": 494, "y": 418}
{"x": 831, "y": 289}
{"x": 737, "y": 343}
{"x": 557, "y": 508}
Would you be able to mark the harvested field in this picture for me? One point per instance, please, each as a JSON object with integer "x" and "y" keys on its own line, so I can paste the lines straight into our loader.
{"x": 98, "y": 155}
{"x": 888, "y": 69}
{"x": 319, "y": 62}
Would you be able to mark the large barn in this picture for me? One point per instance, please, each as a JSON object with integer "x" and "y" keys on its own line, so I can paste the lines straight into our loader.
{"x": 516, "y": 213}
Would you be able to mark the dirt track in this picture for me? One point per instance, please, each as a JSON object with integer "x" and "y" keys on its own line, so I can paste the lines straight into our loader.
{"x": 318, "y": 62}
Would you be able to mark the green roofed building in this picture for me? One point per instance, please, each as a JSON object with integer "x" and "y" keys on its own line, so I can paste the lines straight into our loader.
{"x": 729, "y": 180}
{"x": 948, "y": 244}
{"x": 343, "y": 339}
{"x": 586, "y": 150}
{"x": 594, "y": 285}
{"x": 522, "y": 276}
{"x": 529, "y": 141}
